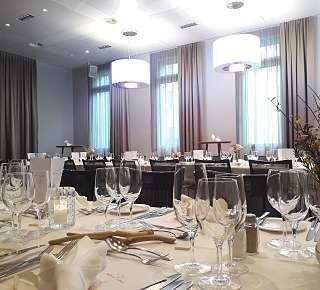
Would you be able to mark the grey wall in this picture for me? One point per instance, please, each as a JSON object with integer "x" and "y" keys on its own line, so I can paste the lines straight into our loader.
{"x": 55, "y": 106}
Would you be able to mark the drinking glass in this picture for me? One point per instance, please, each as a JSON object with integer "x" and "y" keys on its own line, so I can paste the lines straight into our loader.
{"x": 232, "y": 265}
{"x": 187, "y": 196}
{"x": 41, "y": 181}
{"x": 103, "y": 192}
{"x": 187, "y": 156}
{"x": 3, "y": 172}
{"x": 293, "y": 206}
{"x": 269, "y": 155}
{"x": 154, "y": 156}
{"x": 16, "y": 167}
{"x": 275, "y": 155}
{"x": 220, "y": 225}
{"x": 17, "y": 195}
{"x": 133, "y": 193}
{"x": 253, "y": 155}
{"x": 313, "y": 194}
{"x": 273, "y": 189}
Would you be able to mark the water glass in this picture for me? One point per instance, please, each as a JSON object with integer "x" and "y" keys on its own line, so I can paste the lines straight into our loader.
{"x": 62, "y": 207}
{"x": 17, "y": 195}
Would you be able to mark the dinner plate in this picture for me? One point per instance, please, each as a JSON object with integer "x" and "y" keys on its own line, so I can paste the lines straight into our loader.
{"x": 137, "y": 208}
{"x": 273, "y": 224}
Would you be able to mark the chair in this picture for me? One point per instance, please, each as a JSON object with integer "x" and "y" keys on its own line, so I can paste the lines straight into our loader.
{"x": 262, "y": 167}
{"x": 216, "y": 165}
{"x": 165, "y": 165}
{"x": 69, "y": 164}
{"x": 116, "y": 162}
{"x": 129, "y": 163}
{"x": 256, "y": 193}
{"x": 82, "y": 181}
{"x": 93, "y": 164}
{"x": 156, "y": 188}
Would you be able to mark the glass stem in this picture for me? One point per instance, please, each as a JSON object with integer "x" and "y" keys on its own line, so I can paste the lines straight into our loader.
{"x": 230, "y": 246}
{"x": 192, "y": 236}
{"x": 106, "y": 213}
{"x": 118, "y": 205}
{"x": 16, "y": 221}
{"x": 39, "y": 225}
{"x": 219, "y": 260}
{"x": 131, "y": 208}
{"x": 294, "y": 235}
{"x": 284, "y": 229}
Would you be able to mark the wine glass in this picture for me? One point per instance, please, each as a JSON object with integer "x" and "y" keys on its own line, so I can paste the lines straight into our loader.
{"x": 16, "y": 167}
{"x": 133, "y": 193}
{"x": 293, "y": 206}
{"x": 104, "y": 176}
{"x": 253, "y": 155}
{"x": 17, "y": 195}
{"x": 313, "y": 194}
{"x": 185, "y": 202}
{"x": 3, "y": 172}
{"x": 273, "y": 189}
{"x": 187, "y": 156}
{"x": 234, "y": 267}
{"x": 269, "y": 155}
{"x": 220, "y": 224}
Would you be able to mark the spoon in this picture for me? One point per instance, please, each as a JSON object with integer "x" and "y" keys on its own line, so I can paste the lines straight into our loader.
{"x": 123, "y": 247}
{"x": 118, "y": 249}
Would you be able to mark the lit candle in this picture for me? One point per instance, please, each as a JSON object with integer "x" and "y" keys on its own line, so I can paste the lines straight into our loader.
{"x": 60, "y": 212}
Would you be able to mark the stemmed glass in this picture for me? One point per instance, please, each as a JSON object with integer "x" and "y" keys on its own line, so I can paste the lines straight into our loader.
{"x": 16, "y": 167}
{"x": 234, "y": 267}
{"x": 17, "y": 195}
{"x": 220, "y": 224}
{"x": 103, "y": 195}
{"x": 187, "y": 156}
{"x": 186, "y": 198}
{"x": 273, "y": 189}
{"x": 133, "y": 193}
{"x": 293, "y": 206}
{"x": 41, "y": 181}
{"x": 269, "y": 155}
{"x": 3, "y": 172}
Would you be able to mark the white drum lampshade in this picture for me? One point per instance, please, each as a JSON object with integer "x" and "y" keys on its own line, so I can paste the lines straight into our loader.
{"x": 130, "y": 73}
{"x": 238, "y": 52}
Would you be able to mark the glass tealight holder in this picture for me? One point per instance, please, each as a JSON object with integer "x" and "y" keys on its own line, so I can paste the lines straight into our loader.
{"x": 62, "y": 207}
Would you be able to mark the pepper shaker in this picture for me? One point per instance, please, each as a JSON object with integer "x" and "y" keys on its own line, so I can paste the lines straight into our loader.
{"x": 252, "y": 233}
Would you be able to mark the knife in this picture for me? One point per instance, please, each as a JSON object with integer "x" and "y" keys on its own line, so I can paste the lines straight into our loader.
{"x": 18, "y": 252}
{"x": 262, "y": 218}
{"x": 312, "y": 231}
{"x": 173, "y": 285}
{"x": 165, "y": 281}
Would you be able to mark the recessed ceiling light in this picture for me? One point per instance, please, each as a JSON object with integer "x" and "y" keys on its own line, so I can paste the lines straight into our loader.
{"x": 7, "y": 24}
{"x": 235, "y": 4}
{"x": 111, "y": 21}
{"x": 87, "y": 51}
{"x": 44, "y": 10}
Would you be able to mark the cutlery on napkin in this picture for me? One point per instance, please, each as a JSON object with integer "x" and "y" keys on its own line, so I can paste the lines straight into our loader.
{"x": 77, "y": 271}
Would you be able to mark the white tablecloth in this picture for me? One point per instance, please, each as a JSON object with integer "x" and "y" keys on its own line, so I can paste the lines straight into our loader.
{"x": 268, "y": 270}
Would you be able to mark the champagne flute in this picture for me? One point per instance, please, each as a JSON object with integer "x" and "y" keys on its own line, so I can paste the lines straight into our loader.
{"x": 17, "y": 196}
{"x": 220, "y": 224}
{"x": 293, "y": 206}
{"x": 187, "y": 200}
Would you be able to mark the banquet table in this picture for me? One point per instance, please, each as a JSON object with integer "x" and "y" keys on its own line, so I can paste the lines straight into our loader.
{"x": 267, "y": 269}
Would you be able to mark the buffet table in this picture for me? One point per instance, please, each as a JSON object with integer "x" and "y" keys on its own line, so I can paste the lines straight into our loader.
{"x": 268, "y": 270}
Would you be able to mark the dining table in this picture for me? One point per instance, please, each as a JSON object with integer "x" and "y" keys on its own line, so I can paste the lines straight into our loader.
{"x": 268, "y": 270}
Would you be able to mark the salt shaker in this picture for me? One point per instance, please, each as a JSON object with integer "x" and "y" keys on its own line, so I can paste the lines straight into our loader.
{"x": 252, "y": 233}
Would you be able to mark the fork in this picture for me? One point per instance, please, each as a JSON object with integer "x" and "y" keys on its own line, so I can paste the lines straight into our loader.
{"x": 23, "y": 265}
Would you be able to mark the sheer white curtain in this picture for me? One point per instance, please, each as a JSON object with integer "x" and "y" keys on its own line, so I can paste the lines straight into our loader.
{"x": 165, "y": 101}
{"x": 99, "y": 110}
{"x": 259, "y": 125}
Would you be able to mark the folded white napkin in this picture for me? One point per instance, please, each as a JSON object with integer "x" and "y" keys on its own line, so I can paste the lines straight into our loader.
{"x": 77, "y": 271}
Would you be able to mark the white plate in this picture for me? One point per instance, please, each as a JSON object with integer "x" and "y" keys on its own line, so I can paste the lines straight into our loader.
{"x": 274, "y": 224}
{"x": 137, "y": 208}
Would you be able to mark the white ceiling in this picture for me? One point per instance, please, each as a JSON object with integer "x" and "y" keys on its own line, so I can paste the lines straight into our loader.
{"x": 72, "y": 26}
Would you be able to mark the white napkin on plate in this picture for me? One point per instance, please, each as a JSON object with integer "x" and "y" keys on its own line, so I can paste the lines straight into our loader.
{"x": 77, "y": 271}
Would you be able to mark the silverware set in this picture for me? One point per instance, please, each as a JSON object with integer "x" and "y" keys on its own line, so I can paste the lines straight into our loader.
{"x": 170, "y": 283}
{"x": 154, "y": 213}
{"x": 119, "y": 247}
{"x": 178, "y": 233}
{"x": 314, "y": 232}
{"x": 10, "y": 268}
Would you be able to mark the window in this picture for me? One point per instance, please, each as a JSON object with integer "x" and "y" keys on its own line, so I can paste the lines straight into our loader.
{"x": 259, "y": 123}
{"x": 100, "y": 110}
{"x": 166, "y": 103}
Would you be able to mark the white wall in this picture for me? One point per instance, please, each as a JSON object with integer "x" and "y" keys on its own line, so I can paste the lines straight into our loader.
{"x": 55, "y": 106}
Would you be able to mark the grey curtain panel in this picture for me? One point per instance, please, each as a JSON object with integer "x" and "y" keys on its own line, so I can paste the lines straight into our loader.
{"x": 190, "y": 79}
{"x": 297, "y": 51}
{"x": 119, "y": 120}
{"x": 18, "y": 106}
